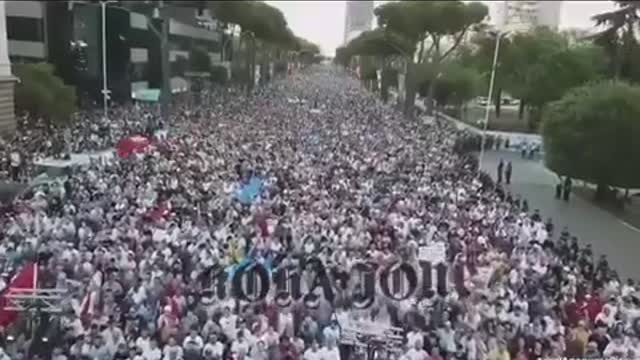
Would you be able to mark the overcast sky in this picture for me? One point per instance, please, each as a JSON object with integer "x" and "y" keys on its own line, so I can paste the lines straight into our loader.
{"x": 322, "y": 22}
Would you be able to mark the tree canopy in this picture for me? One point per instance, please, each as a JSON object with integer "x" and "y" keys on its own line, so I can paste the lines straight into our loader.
{"x": 439, "y": 22}
{"x": 455, "y": 83}
{"x": 435, "y": 28}
{"x": 379, "y": 43}
{"x": 619, "y": 39}
{"x": 43, "y": 94}
{"x": 536, "y": 67}
{"x": 257, "y": 19}
{"x": 592, "y": 134}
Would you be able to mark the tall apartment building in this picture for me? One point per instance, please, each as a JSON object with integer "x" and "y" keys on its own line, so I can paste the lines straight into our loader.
{"x": 358, "y": 18}
{"x": 68, "y": 34}
{"x": 7, "y": 80}
{"x": 526, "y": 15}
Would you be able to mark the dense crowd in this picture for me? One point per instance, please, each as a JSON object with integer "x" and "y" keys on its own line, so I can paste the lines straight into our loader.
{"x": 88, "y": 131}
{"x": 135, "y": 242}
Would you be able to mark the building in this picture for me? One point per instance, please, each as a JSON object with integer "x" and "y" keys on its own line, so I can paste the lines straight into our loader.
{"x": 68, "y": 34}
{"x": 520, "y": 16}
{"x": 358, "y": 18}
{"x": 7, "y": 80}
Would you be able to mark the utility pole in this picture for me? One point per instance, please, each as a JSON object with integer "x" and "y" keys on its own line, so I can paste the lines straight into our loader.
{"x": 164, "y": 49}
{"x": 163, "y": 36}
{"x": 105, "y": 87}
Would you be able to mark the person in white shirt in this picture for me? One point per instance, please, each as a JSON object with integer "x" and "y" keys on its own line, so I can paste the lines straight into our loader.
{"x": 193, "y": 342}
{"x": 312, "y": 353}
{"x": 214, "y": 349}
{"x": 615, "y": 348}
{"x": 228, "y": 323}
{"x": 285, "y": 323}
{"x": 144, "y": 341}
{"x": 331, "y": 334}
{"x": 16, "y": 162}
{"x": 172, "y": 351}
{"x": 153, "y": 352}
{"x": 329, "y": 352}
{"x": 240, "y": 345}
{"x": 417, "y": 352}
{"x": 413, "y": 337}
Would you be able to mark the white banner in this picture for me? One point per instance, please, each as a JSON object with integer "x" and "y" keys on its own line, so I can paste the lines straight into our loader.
{"x": 434, "y": 253}
{"x": 401, "y": 87}
{"x": 257, "y": 75}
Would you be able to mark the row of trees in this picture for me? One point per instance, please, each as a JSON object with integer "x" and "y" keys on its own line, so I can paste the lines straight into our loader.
{"x": 417, "y": 38}
{"x": 579, "y": 92}
{"x": 265, "y": 39}
{"x": 537, "y": 67}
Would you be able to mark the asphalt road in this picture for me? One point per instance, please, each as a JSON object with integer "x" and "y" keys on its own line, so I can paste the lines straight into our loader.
{"x": 592, "y": 225}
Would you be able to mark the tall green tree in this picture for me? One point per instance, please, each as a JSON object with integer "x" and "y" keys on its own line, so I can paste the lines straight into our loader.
{"x": 479, "y": 56}
{"x": 436, "y": 27}
{"x": 592, "y": 134}
{"x": 43, "y": 94}
{"x": 540, "y": 66}
{"x": 383, "y": 47}
{"x": 455, "y": 85}
{"x": 259, "y": 24}
{"x": 619, "y": 39}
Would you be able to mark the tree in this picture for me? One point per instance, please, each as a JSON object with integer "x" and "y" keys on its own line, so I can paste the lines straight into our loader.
{"x": 479, "y": 56}
{"x": 262, "y": 27}
{"x": 382, "y": 46}
{"x": 343, "y": 56}
{"x": 556, "y": 74}
{"x": 199, "y": 60}
{"x": 42, "y": 94}
{"x": 619, "y": 40}
{"x": 540, "y": 67}
{"x": 592, "y": 134}
{"x": 455, "y": 85}
{"x": 435, "y": 27}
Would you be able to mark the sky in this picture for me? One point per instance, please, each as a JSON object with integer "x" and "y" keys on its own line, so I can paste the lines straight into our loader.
{"x": 322, "y": 22}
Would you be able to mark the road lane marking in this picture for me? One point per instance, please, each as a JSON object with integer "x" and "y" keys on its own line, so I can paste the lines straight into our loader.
{"x": 626, "y": 224}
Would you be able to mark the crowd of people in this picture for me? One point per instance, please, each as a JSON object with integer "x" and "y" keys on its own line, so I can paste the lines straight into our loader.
{"x": 136, "y": 242}
{"x": 88, "y": 131}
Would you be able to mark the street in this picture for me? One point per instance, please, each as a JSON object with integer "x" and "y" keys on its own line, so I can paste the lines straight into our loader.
{"x": 592, "y": 225}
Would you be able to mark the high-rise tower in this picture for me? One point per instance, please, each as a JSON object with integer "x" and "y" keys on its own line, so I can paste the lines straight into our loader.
{"x": 358, "y": 18}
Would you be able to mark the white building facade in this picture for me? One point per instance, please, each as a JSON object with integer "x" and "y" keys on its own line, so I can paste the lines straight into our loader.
{"x": 358, "y": 18}
{"x": 7, "y": 80}
{"x": 520, "y": 16}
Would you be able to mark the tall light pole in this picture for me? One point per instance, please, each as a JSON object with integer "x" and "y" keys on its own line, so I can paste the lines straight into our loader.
{"x": 105, "y": 88}
{"x": 487, "y": 109}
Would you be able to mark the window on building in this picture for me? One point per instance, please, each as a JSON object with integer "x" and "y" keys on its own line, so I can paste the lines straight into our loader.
{"x": 25, "y": 29}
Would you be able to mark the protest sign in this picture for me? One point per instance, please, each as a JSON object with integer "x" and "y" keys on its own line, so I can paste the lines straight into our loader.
{"x": 435, "y": 253}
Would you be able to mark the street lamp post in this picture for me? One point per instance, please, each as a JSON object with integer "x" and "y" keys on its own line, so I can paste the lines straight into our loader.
{"x": 487, "y": 110}
{"x": 105, "y": 88}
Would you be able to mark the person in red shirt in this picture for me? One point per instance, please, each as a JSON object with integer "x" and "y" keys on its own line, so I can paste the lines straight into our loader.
{"x": 287, "y": 349}
{"x": 593, "y": 306}
{"x": 573, "y": 312}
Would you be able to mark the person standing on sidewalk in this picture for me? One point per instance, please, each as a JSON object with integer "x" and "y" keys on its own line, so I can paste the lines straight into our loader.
{"x": 15, "y": 161}
{"x": 508, "y": 172}
{"x": 500, "y": 169}
{"x": 568, "y": 184}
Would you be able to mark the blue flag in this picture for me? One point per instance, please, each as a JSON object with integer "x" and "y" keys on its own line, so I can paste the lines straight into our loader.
{"x": 248, "y": 193}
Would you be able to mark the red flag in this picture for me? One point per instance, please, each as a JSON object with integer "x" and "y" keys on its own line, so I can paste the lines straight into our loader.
{"x": 26, "y": 279}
